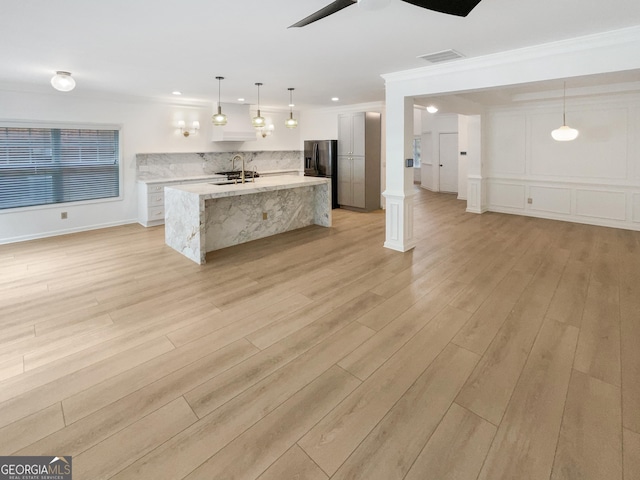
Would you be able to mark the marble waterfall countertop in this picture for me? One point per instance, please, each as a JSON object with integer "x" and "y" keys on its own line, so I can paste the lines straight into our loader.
{"x": 211, "y": 176}
{"x": 261, "y": 184}
{"x": 202, "y": 217}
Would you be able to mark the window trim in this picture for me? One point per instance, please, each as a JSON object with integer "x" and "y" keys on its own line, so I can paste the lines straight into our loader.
{"x": 72, "y": 125}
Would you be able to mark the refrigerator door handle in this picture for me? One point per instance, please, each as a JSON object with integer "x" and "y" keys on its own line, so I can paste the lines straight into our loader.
{"x": 316, "y": 155}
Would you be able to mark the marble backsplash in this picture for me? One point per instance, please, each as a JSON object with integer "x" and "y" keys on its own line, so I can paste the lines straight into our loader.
{"x": 151, "y": 166}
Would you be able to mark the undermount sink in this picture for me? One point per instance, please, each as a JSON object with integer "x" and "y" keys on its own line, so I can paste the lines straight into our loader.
{"x": 237, "y": 174}
{"x": 231, "y": 182}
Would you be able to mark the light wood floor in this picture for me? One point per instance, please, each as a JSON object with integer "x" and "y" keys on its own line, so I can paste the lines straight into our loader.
{"x": 502, "y": 347}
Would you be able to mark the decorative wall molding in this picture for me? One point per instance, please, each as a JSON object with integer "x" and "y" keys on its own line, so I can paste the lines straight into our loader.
{"x": 635, "y": 207}
{"x": 609, "y": 205}
{"x": 399, "y": 221}
{"x": 476, "y": 194}
{"x": 550, "y": 199}
{"x": 615, "y": 206}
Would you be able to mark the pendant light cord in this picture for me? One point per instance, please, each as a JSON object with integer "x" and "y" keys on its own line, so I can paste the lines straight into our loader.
{"x": 564, "y": 103}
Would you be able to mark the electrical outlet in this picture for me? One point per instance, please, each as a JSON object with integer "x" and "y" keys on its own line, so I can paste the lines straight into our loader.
{"x": 264, "y": 215}
{"x": 529, "y": 200}
{"x": 63, "y": 215}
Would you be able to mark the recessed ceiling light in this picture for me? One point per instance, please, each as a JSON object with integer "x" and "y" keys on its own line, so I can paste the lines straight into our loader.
{"x": 176, "y": 93}
{"x": 241, "y": 99}
{"x": 432, "y": 109}
{"x": 335, "y": 99}
{"x": 292, "y": 104}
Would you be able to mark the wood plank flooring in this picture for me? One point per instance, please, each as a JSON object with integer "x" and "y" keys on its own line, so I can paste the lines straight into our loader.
{"x": 501, "y": 347}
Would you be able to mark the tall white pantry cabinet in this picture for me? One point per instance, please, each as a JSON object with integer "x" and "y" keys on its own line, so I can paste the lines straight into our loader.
{"x": 359, "y": 161}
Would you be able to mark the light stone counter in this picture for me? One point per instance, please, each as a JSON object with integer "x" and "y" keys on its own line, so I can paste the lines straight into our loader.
{"x": 203, "y": 217}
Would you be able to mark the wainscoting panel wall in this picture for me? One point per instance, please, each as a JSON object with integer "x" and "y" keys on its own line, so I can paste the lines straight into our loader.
{"x": 600, "y": 204}
{"x": 594, "y": 179}
{"x": 507, "y": 195}
{"x": 635, "y": 214}
{"x": 550, "y": 199}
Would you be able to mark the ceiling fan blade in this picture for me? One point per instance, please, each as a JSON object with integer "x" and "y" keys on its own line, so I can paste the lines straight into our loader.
{"x": 461, "y": 8}
{"x": 325, "y": 12}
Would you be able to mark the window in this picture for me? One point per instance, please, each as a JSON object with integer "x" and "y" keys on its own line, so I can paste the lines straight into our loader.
{"x": 41, "y": 166}
{"x": 417, "y": 152}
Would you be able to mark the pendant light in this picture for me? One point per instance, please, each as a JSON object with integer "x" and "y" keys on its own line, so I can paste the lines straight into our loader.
{"x": 564, "y": 133}
{"x": 291, "y": 122}
{"x": 63, "y": 81}
{"x": 258, "y": 121}
{"x": 219, "y": 119}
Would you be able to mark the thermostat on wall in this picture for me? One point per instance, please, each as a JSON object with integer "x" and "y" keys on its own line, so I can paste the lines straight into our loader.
{"x": 409, "y": 162}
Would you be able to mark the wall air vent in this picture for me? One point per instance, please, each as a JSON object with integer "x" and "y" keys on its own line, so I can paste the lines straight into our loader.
{"x": 443, "y": 56}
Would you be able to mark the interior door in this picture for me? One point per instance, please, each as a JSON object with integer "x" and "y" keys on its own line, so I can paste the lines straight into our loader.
{"x": 449, "y": 162}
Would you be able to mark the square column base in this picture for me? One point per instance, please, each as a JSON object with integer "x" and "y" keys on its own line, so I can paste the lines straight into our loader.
{"x": 399, "y": 222}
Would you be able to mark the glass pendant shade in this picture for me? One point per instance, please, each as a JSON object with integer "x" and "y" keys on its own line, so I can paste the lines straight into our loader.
{"x": 258, "y": 121}
{"x": 564, "y": 133}
{"x": 291, "y": 122}
{"x": 219, "y": 119}
{"x": 63, "y": 82}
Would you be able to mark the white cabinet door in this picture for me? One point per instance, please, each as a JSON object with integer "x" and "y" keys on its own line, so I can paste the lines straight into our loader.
{"x": 345, "y": 196}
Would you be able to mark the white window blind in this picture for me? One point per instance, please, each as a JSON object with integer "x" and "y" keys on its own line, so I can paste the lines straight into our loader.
{"x": 40, "y": 166}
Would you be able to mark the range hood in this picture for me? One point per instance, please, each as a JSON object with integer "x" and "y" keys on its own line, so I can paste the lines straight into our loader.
{"x": 238, "y": 127}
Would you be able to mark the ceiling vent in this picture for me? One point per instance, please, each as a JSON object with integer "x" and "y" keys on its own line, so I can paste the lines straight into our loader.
{"x": 443, "y": 56}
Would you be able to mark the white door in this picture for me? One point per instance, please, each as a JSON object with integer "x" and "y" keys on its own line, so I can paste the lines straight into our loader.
{"x": 449, "y": 162}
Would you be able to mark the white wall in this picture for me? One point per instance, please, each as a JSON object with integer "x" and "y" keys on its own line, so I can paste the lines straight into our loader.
{"x": 594, "y": 179}
{"x": 146, "y": 127}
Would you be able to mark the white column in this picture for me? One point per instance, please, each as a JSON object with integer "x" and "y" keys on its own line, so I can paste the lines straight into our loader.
{"x": 399, "y": 191}
{"x": 476, "y": 182}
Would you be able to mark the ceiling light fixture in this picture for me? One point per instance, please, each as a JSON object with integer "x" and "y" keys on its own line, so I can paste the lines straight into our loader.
{"x": 335, "y": 99}
{"x": 258, "y": 121}
{"x": 219, "y": 119}
{"x": 564, "y": 133}
{"x": 291, "y": 122}
{"x": 176, "y": 92}
{"x": 63, "y": 81}
{"x": 432, "y": 109}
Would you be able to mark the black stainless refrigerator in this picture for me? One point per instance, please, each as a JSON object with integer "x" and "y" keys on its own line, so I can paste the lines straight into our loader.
{"x": 321, "y": 160}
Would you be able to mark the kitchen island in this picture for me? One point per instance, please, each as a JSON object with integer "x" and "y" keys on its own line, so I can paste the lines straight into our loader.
{"x": 203, "y": 217}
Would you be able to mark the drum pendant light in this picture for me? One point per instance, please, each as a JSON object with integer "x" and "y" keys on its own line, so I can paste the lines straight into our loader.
{"x": 219, "y": 119}
{"x": 258, "y": 121}
{"x": 291, "y": 122}
{"x": 564, "y": 133}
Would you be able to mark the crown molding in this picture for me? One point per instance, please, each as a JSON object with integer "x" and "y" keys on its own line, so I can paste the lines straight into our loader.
{"x": 625, "y": 36}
